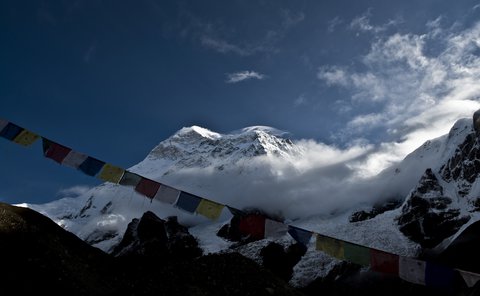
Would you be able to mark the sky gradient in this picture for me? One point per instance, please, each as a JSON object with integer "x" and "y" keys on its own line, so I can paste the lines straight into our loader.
{"x": 113, "y": 78}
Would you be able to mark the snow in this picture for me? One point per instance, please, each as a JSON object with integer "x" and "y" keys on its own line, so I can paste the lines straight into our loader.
{"x": 204, "y": 162}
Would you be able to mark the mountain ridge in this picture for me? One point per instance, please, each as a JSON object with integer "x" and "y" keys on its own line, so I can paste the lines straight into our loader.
{"x": 101, "y": 215}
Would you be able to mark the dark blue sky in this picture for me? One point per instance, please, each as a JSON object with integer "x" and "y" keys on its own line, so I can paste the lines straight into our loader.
{"x": 114, "y": 78}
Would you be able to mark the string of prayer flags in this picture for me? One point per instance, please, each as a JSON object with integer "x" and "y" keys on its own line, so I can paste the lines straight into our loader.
{"x": 130, "y": 179}
{"x": 91, "y": 166}
{"x": 438, "y": 276}
{"x": 252, "y": 225}
{"x": 357, "y": 254}
{"x": 210, "y": 209}
{"x": 10, "y": 131}
{"x": 74, "y": 159}
{"x": 167, "y": 194}
{"x": 275, "y": 229}
{"x": 470, "y": 278}
{"x": 147, "y": 187}
{"x": 330, "y": 246}
{"x": 384, "y": 262}
{"x": 188, "y": 202}
{"x": 26, "y": 138}
{"x": 412, "y": 270}
{"x": 257, "y": 226}
{"x": 111, "y": 173}
{"x": 302, "y": 236}
{"x": 54, "y": 150}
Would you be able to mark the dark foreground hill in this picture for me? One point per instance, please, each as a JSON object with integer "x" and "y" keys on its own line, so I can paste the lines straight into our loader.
{"x": 37, "y": 256}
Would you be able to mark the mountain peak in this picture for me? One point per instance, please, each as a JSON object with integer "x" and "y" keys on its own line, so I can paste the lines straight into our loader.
{"x": 198, "y": 131}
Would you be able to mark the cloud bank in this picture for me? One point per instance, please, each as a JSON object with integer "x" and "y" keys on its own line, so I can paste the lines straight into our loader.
{"x": 414, "y": 86}
{"x": 409, "y": 88}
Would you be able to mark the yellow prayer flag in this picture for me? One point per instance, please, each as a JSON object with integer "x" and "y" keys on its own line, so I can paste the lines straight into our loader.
{"x": 26, "y": 138}
{"x": 330, "y": 246}
{"x": 111, "y": 173}
{"x": 210, "y": 209}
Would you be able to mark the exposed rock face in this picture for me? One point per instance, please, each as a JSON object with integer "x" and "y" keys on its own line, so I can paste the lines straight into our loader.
{"x": 281, "y": 261}
{"x": 40, "y": 258}
{"x": 464, "y": 166}
{"x": 375, "y": 211}
{"x": 427, "y": 217}
{"x": 430, "y": 214}
{"x": 151, "y": 236}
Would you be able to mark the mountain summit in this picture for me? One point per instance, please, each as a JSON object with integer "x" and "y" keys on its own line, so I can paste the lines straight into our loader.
{"x": 101, "y": 215}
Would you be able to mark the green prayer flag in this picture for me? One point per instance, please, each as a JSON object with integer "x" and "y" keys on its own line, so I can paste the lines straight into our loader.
{"x": 330, "y": 246}
{"x": 357, "y": 254}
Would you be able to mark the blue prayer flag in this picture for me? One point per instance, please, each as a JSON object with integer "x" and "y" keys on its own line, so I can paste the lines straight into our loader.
{"x": 188, "y": 202}
{"x": 10, "y": 131}
{"x": 91, "y": 166}
{"x": 302, "y": 236}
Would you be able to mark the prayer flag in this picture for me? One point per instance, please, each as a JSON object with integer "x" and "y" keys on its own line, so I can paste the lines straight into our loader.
{"x": 302, "y": 236}
{"x": 130, "y": 179}
{"x": 26, "y": 138}
{"x": 147, "y": 187}
{"x": 357, "y": 254}
{"x": 439, "y": 276}
{"x": 111, "y": 173}
{"x": 188, "y": 202}
{"x": 275, "y": 229}
{"x": 330, "y": 246}
{"x": 384, "y": 262}
{"x": 210, "y": 209}
{"x": 3, "y": 124}
{"x": 470, "y": 278}
{"x": 91, "y": 166}
{"x": 10, "y": 131}
{"x": 54, "y": 150}
{"x": 412, "y": 270}
{"x": 252, "y": 225}
{"x": 167, "y": 194}
{"x": 74, "y": 159}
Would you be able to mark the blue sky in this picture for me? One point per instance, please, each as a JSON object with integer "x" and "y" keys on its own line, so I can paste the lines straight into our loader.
{"x": 114, "y": 78}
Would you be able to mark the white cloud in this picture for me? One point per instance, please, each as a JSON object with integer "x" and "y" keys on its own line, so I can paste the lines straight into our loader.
{"x": 416, "y": 95}
{"x": 362, "y": 23}
{"x": 334, "y": 23}
{"x": 243, "y": 75}
{"x": 333, "y": 75}
{"x": 73, "y": 191}
{"x": 291, "y": 19}
{"x": 300, "y": 100}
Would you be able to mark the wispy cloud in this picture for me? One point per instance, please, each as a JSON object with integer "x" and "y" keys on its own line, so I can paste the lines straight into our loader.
{"x": 291, "y": 18}
{"x": 218, "y": 35}
{"x": 224, "y": 46}
{"x": 73, "y": 191}
{"x": 334, "y": 23}
{"x": 415, "y": 96}
{"x": 362, "y": 23}
{"x": 243, "y": 75}
{"x": 300, "y": 100}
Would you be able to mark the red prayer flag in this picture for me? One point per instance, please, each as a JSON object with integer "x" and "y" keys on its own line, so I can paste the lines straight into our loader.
{"x": 384, "y": 262}
{"x": 55, "y": 151}
{"x": 147, "y": 187}
{"x": 253, "y": 225}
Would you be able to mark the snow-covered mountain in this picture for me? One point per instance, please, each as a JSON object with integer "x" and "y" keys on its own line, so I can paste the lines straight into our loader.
{"x": 100, "y": 216}
{"x": 437, "y": 184}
